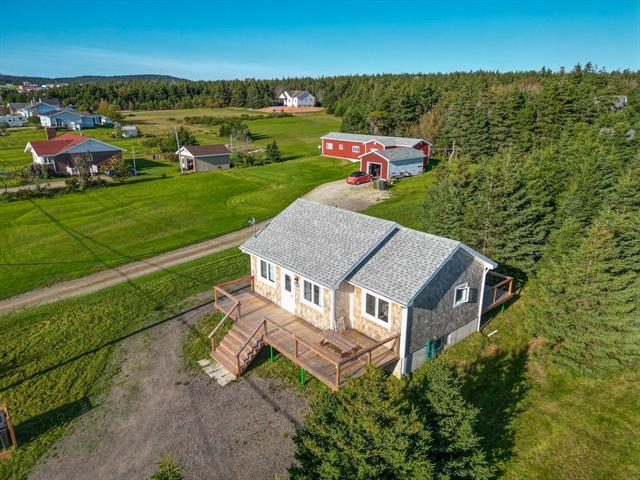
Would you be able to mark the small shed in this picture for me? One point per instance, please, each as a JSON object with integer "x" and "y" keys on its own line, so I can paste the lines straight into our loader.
{"x": 130, "y": 131}
{"x": 204, "y": 158}
{"x": 393, "y": 162}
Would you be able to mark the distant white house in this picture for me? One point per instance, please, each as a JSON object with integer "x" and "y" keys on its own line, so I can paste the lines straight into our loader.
{"x": 13, "y": 120}
{"x": 130, "y": 131}
{"x": 73, "y": 120}
{"x": 297, "y": 98}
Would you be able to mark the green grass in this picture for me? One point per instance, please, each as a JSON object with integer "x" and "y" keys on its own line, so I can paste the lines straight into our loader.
{"x": 43, "y": 241}
{"x": 55, "y": 359}
{"x": 407, "y": 199}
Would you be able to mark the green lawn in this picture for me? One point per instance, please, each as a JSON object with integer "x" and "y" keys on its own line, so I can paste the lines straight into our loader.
{"x": 55, "y": 359}
{"x": 47, "y": 240}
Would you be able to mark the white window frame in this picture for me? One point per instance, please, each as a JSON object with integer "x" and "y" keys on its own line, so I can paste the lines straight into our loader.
{"x": 310, "y": 302}
{"x": 355, "y": 149}
{"x": 462, "y": 287}
{"x": 340, "y": 146}
{"x": 329, "y": 146}
{"x": 375, "y": 318}
{"x": 270, "y": 269}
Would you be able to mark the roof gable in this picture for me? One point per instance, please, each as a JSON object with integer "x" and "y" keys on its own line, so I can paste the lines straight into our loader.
{"x": 63, "y": 143}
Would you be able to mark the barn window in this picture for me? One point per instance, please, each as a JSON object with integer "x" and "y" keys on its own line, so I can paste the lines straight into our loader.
{"x": 329, "y": 146}
{"x": 341, "y": 147}
{"x": 461, "y": 294}
{"x": 355, "y": 149}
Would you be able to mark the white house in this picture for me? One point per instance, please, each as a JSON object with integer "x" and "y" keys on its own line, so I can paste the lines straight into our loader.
{"x": 13, "y": 120}
{"x": 297, "y": 98}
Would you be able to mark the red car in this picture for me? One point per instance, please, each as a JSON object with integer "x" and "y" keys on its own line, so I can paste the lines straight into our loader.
{"x": 358, "y": 177}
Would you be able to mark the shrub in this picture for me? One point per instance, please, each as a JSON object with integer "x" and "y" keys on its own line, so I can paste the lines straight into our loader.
{"x": 167, "y": 469}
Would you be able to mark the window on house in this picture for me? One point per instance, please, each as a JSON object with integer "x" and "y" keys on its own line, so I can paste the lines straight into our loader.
{"x": 355, "y": 149}
{"x": 311, "y": 293}
{"x": 376, "y": 308}
{"x": 267, "y": 271}
{"x": 329, "y": 146}
{"x": 461, "y": 294}
{"x": 341, "y": 147}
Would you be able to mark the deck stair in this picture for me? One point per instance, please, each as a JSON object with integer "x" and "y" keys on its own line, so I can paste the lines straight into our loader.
{"x": 238, "y": 348}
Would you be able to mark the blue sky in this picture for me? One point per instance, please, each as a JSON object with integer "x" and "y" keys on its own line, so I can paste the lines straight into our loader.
{"x": 262, "y": 39}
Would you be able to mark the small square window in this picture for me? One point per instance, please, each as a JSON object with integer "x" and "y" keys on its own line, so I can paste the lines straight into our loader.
{"x": 311, "y": 293}
{"x": 340, "y": 147}
{"x": 267, "y": 271}
{"x": 355, "y": 149}
{"x": 461, "y": 294}
{"x": 329, "y": 146}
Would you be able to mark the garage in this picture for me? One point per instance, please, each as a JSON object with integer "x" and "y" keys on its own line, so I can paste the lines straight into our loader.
{"x": 393, "y": 162}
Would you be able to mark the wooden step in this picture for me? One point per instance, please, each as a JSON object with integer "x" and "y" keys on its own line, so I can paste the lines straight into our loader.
{"x": 227, "y": 350}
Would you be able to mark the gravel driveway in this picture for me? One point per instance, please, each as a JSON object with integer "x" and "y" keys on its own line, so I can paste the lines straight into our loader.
{"x": 350, "y": 197}
{"x": 239, "y": 431}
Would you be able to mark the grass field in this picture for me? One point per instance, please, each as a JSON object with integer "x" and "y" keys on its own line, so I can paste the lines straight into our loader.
{"x": 55, "y": 359}
{"x": 47, "y": 240}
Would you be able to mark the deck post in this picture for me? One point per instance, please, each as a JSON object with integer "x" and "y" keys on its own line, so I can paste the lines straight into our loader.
{"x": 502, "y": 308}
{"x": 369, "y": 355}
{"x": 337, "y": 376}
{"x": 296, "y": 339}
{"x": 302, "y": 376}
{"x": 271, "y": 353}
{"x": 215, "y": 298}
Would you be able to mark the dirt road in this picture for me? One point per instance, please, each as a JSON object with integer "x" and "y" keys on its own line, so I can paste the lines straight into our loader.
{"x": 239, "y": 431}
{"x": 335, "y": 193}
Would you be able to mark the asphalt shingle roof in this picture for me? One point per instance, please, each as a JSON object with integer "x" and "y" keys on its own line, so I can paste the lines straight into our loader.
{"x": 400, "y": 154}
{"x": 319, "y": 242}
{"x": 384, "y": 140}
{"x": 403, "y": 264}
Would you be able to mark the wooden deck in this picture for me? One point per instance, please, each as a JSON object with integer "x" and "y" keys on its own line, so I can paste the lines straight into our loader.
{"x": 497, "y": 294}
{"x": 302, "y": 342}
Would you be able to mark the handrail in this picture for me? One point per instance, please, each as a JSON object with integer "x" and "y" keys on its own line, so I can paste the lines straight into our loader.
{"x": 368, "y": 349}
{"x": 227, "y": 315}
{"x": 262, "y": 324}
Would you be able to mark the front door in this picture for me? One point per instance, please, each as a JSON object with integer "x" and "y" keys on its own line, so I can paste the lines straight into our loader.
{"x": 288, "y": 300}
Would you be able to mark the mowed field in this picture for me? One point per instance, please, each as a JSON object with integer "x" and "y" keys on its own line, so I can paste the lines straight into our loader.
{"x": 47, "y": 240}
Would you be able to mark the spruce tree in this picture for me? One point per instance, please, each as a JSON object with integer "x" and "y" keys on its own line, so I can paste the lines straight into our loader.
{"x": 435, "y": 391}
{"x": 365, "y": 431}
{"x": 272, "y": 153}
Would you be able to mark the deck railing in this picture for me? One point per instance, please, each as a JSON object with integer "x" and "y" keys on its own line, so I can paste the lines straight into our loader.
{"x": 498, "y": 293}
{"x": 335, "y": 359}
{"x": 230, "y": 311}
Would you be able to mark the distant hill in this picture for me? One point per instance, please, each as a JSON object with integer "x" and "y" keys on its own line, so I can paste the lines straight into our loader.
{"x": 19, "y": 79}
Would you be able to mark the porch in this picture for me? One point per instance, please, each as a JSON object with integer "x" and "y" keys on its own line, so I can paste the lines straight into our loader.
{"x": 331, "y": 357}
{"x": 497, "y": 291}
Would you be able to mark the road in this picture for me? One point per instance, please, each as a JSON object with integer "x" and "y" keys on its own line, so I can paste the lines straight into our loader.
{"x": 334, "y": 193}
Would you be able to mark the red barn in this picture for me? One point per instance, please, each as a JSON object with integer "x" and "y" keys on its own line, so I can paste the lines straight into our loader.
{"x": 360, "y": 148}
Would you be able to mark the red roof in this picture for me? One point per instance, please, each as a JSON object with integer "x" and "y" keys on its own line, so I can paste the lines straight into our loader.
{"x": 56, "y": 145}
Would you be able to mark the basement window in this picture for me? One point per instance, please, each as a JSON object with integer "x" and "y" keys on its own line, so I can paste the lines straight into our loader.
{"x": 311, "y": 293}
{"x": 267, "y": 271}
{"x": 461, "y": 294}
{"x": 376, "y": 308}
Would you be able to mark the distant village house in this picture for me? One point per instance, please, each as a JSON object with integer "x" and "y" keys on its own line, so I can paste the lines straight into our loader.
{"x": 297, "y": 98}
{"x": 204, "y": 158}
{"x": 57, "y": 152}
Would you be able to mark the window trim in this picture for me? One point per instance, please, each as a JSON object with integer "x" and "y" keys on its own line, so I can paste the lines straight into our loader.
{"x": 464, "y": 287}
{"x": 268, "y": 264}
{"x": 328, "y": 146}
{"x": 320, "y": 294}
{"x": 340, "y": 146}
{"x": 355, "y": 149}
{"x": 363, "y": 308}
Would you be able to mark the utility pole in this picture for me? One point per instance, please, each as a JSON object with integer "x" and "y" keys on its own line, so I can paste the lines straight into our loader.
{"x": 175, "y": 129}
{"x": 134, "y": 158}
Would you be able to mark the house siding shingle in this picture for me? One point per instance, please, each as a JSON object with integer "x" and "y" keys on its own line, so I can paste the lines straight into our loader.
{"x": 359, "y": 322}
{"x": 433, "y": 313}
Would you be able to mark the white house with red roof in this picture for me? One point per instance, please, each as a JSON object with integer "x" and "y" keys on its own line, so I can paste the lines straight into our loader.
{"x": 381, "y": 156}
{"x": 57, "y": 152}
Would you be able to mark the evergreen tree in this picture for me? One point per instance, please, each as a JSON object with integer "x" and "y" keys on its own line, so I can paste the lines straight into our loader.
{"x": 364, "y": 431}
{"x": 272, "y": 153}
{"x": 435, "y": 391}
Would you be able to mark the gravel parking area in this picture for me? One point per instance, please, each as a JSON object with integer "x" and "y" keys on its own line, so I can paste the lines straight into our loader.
{"x": 350, "y": 197}
{"x": 239, "y": 431}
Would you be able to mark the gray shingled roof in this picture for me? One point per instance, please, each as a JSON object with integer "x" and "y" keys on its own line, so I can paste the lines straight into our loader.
{"x": 400, "y": 154}
{"x": 319, "y": 242}
{"x": 403, "y": 264}
{"x": 301, "y": 94}
{"x": 386, "y": 141}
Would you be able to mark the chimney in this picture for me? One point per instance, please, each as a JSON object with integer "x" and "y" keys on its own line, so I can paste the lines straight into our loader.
{"x": 50, "y": 132}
